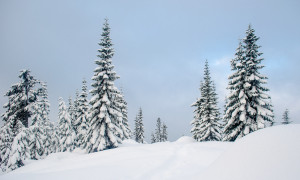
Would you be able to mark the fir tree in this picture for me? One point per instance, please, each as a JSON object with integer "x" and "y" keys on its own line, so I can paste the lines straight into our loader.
{"x": 19, "y": 151}
{"x": 286, "y": 118}
{"x": 71, "y": 109}
{"x": 164, "y": 136}
{"x": 41, "y": 128}
{"x": 249, "y": 107}
{"x": 55, "y": 140}
{"x": 65, "y": 128}
{"x": 20, "y": 98}
{"x": 153, "y": 140}
{"x": 104, "y": 131}
{"x": 7, "y": 136}
{"x": 139, "y": 127}
{"x": 206, "y": 125}
{"x": 124, "y": 121}
{"x": 81, "y": 123}
{"x": 158, "y": 131}
{"x": 197, "y": 114}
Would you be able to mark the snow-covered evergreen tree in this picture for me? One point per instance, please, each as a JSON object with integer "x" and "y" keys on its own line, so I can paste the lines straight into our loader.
{"x": 41, "y": 129}
{"x": 197, "y": 114}
{"x": 36, "y": 141}
{"x": 55, "y": 140}
{"x": 286, "y": 118}
{"x": 81, "y": 123}
{"x": 7, "y": 136}
{"x": 153, "y": 140}
{"x": 20, "y": 98}
{"x": 124, "y": 123}
{"x": 206, "y": 126}
{"x": 139, "y": 127}
{"x": 71, "y": 109}
{"x": 105, "y": 114}
{"x": 19, "y": 151}
{"x": 158, "y": 131}
{"x": 76, "y": 106}
{"x": 65, "y": 128}
{"x": 248, "y": 107}
{"x": 164, "y": 136}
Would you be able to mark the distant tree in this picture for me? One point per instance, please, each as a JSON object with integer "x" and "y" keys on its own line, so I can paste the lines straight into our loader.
{"x": 105, "y": 114}
{"x": 65, "y": 128}
{"x": 71, "y": 109}
{"x": 158, "y": 131}
{"x": 153, "y": 140}
{"x": 81, "y": 123}
{"x": 139, "y": 127}
{"x": 286, "y": 118}
{"x": 249, "y": 107}
{"x": 205, "y": 124}
{"x": 164, "y": 136}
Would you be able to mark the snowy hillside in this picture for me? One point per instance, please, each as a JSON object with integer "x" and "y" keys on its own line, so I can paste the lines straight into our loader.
{"x": 271, "y": 153}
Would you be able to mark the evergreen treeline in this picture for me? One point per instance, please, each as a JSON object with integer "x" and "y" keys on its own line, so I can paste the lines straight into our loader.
{"x": 161, "y": 134}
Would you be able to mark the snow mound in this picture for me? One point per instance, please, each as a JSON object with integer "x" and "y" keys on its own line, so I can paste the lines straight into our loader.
{"x": 271, "y": 153}
{"x": 185, "y": 139}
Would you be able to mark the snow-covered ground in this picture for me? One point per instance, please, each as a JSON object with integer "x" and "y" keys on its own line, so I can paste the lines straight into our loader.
{"x": 271, "y": 153}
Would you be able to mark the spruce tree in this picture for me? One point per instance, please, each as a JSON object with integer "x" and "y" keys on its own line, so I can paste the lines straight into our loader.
{"x": 158, "y": 131}
{"x": 65, "y": 128}
{"x": 153, "y": 140}
{"x": 71, "y": 109}
{"x": 104, "y": 131}
{"x": 81, "y": 123}
{"x": 21, "y": 96}
{"x": 197, "y": 114}
{"x": 139, "y": 127}
{"x": 7, "y": 136}
{"x": 249, "y": 107}
{"x": 124, "y": 125}
{"x": 286, "y": 118}
{"x": 19, "y": 151}
{"x": 164, "y": 133}
{"x": 206, "y": 121}
{"x": 41, "y": 128}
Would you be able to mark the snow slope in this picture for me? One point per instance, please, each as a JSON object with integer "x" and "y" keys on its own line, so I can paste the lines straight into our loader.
{"x": 271, "y": 153}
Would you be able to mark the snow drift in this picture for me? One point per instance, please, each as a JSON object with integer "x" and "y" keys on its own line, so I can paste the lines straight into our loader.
{"x": 271, "y": 153}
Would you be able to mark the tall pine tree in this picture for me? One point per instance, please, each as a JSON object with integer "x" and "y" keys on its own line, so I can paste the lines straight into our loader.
{"x": 248, "y": 107}
{"x": 104, "y": 131}
{"x": 206, "y": 126}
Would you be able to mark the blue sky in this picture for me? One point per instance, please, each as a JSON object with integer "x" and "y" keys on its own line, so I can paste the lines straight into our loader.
{"x": 160, "y": 49}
